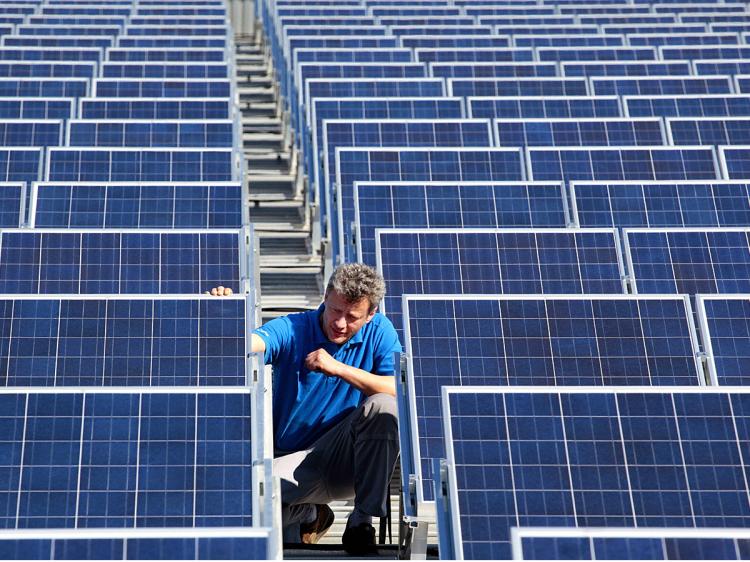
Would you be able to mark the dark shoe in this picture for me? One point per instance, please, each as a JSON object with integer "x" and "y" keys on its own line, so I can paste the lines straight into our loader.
{"x": 311, "y": 533}
{"x": 359, "y": 539}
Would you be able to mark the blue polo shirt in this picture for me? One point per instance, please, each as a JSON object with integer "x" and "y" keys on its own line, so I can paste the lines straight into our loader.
{"x": 308, "y": 403}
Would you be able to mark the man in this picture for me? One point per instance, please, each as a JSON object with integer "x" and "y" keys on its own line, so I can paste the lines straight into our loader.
{"x": 334, "y": 408}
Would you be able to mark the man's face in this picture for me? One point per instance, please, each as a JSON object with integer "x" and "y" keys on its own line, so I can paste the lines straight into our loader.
{"x": 342, "y": 319}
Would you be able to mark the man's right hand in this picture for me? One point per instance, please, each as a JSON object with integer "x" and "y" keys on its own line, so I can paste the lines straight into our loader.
{"x": 220, "y": 291}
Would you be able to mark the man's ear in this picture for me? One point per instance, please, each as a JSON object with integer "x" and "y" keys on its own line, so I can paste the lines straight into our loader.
{"x": 371, "y": 315}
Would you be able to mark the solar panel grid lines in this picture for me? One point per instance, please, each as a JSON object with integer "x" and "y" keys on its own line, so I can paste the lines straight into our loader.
{"x": 704, "y": 52}
{"x": 47, "y": 69}
{"x": 186, "y": 133}
{"x": 660, "y": 85}
{"x": 581, "y": 53}
{"x": 724, "y": 337}
{"x": 473, "y": 54}
{"x": 696, "y": 427}
{"x": 537, "y": 86}
{"x": 123, "y": 438}
{"x": 561, "y": 29}
{"x": 31, "y": 132}
{"x": 76, "y": 20}
{"x": 453, "y": 204}
{"x": 621, "y": 163}
{"x": 153, "y": 108}
{"x": 708, "y": 130}
{"x": 566, "y": 40}
{"x": 580, "y": 131}
{"x": 734, "y": 161}
{"x": 469, "y": 261}
{"x": 156, "y": 543}
{"x": 705, "y": 105}
{"x": 654, "y": 204}
{"x": 412, "y": 164}
{"x": 715, "y": 17}
{"x": 136, "y": 205}
{"x": 340, "y": 54}
{"x": 155, "y": 42}
{"x": 671, "y": 40}
{"x": 163, "y": 69}
{"x": 647, "y": 29}
{"x": 527, "y": 340}
{"x": 626, "y": 68}
{"x": 12, "y": 204}
{"x": 161, "y": 87}
{"x": 742, "y": 83}
{"x": 473, "y": 29}
{"x": 492, "y": 69}
{"x": 57, "y": 41}
{"x": 721, "y": 66}
{"x": 660, "y": 543}
{"x": 182, "y": 30}
{"x": 456, "y": 41}
{"x": 84, "y": 54}
{"x": 519, "y": 107}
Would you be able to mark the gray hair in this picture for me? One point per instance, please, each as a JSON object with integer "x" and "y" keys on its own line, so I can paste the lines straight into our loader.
{"x": 355, "y": 281}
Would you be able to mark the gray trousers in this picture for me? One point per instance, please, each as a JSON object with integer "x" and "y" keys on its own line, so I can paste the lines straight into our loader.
{"x": 354, "y": 459}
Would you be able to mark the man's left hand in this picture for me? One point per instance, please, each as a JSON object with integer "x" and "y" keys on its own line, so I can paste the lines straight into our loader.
{"x": 321, "y": 360}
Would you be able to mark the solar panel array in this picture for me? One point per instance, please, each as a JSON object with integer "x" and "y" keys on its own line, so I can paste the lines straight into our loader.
{"x": 129, "y": 399}
{"x": 597, "y": 238}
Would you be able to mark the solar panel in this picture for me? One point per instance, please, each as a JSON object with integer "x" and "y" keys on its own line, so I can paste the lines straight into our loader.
{"x": 76, "y": 19}
{"x": 714, "y": 17}
{"x": 644, "y": 29}
{"x": 68, "y": 9}
{"x": 661, "y": 85}
{"x": 735, "y": 161}
{"x": 351, "y": 55}
{"x": 219, "y": 543}
{"x": 619, "y": 68}
{"x": 704, "y": 52}
{"x": 689, "y": 260}
{"x": 535, "y": 20}
{"x": 523, "y": 340}
{"x": 380, "y": 11}
{"x": 682, "y": 39}
{"x": 579, "y": 132}
{"x": 708, "y": 130}
{"x": 159, "y": 55}
{"x": 12, "y": 199}
{"x": 469, "y": 261}
{"x": 87, "y": 30}
{"x": 154, "y": 108}
{"x": 472, "y": 29}
{"x": 728, "y": 105}
{"x": 161, "y": 88}
{"x": 31, "y": 132}
{"x": 145, "y": 164}
{"x": 546, "y": 29}
{"x": 20, "y": 164}
{"x": 60, "y": 54}
{"x": 742, "y": 82}
{"x": 513, "y": 453}
{"x": 661, "y": 543}
{"x": 141, "y": 459}
{"x": 183, "y": 133}
{"x": 721, "y": 66}
{"x": 191, "y": 20}
{"x": 596, "y": 53}
{"x": 133, "y": 205}
{"x": 564, "y": 40}
{"x": 44, "y": 69}
{"x": 163, "y": 70}
{"x": 446, "y": 204}
{"x": 524, "y": 107}
{"x": 492, "y": 70}
{"x": 355, "y": 164}
{"x": 624, "y": 19}
{"x": 171, "y": 42}
{"x": 57, "y": 41}
{"x": 627, "y": 163}
{"x": 174, "y": 30}
{"x": 425, "y": 20}
{"x": 453, "y": 41}
{"x": 653, "y": 204}
{"x": 473, "y": 54}
{"x": 725, "y": 334}
{"x": 540, "y": 86}
{"x": 125, "y": 262}
{"x": 611, "y": 9}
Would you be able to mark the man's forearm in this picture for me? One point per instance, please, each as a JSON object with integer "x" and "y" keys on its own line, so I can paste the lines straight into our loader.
{"x": 367, "y": 382}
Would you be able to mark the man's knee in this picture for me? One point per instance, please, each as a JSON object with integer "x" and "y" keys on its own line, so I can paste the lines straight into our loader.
{"x": 380, "y": 404}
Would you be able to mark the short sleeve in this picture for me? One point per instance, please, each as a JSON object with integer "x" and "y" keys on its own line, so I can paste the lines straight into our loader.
{"x": 388, "y": 344}
{"x": 277, "y": 335}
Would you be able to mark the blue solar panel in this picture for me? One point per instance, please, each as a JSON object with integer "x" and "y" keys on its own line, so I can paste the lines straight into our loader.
{"x": 417, "y": 11}
{"x": 661, "y": 85}
{"x": 596, "y": 53}
{"x": 60, "y": 54}
{"x": 43, "y": 87}
{"x": 352, "y": 55}
{"x": 159, "y": 88}
{"x": 546, "y": 29}
{"x": 743, "y": 83}
{"x": 708, "y": 130}
{"x": 661, "y": 204}
{"x": 185, "y": 133}
{"x": 535, "y": 20}
{"x": 85, "y": 30}
{"x": 28, "y": 132}
{"x": 20, "y": 164}
{"x": 399, "y": 30}
{"x": 651, "y": 29}
{"x": 445, "y": 204}
{"x": 647, "y": 68}
{"x": 689, "y": 261}
{"x": 714, "y": 17}
{"x": 704, "y": 52}
{"x": 164, "y": 70}
{"x": 627, "y": 19}
{"x": 725, "y": 66}
{"x": 725, "y": 333}
{"x": 93, "y": 10}
{"x": 629, "y": 163}
{"x": 529, "y": 341}
{"x": 147, "y": 164}
{"x": 43, "y": 69}
{"x": 339, "y": 42}
{"x": 729, "y": 105}
{"x": 182, "y": 20}
{"x": 172, "y": 55}
{"x": 156, "y": 544}
{"x": 735, "y": 161}
{"x": 413, "y": 164}
{"x": 453, "y": 41}
{"x": 176, "y": 10}
{"x": 135, "y": 205}
{"x": 564, "y": 40}
{"x": 127, "y": 262}
{"x": 12, "y": 201}
{"x": 327, "y": 10}
{"x": 174, "y": 30}
{"x": 171, "y": 42}
{"x": 161, "y": 108}
{"x": 609, "y": 9}
{"x": 515, "y": 453}
{"x": 518, "y": 87}
{"x": 527, "y": 107}
{"x": 492, "y": 70}
{"x": 682, "y": 39}
{"x": 579, "y": 132}
{"x": 469, "y": 261}
{"x": 661, "y": 543}
{"x": 76, "y": 20}
{"x": 425, "y": 20}
{"x": 473, "y": 54}
{"x": 92, "y": 459}
{"x": 59, "y": 41}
